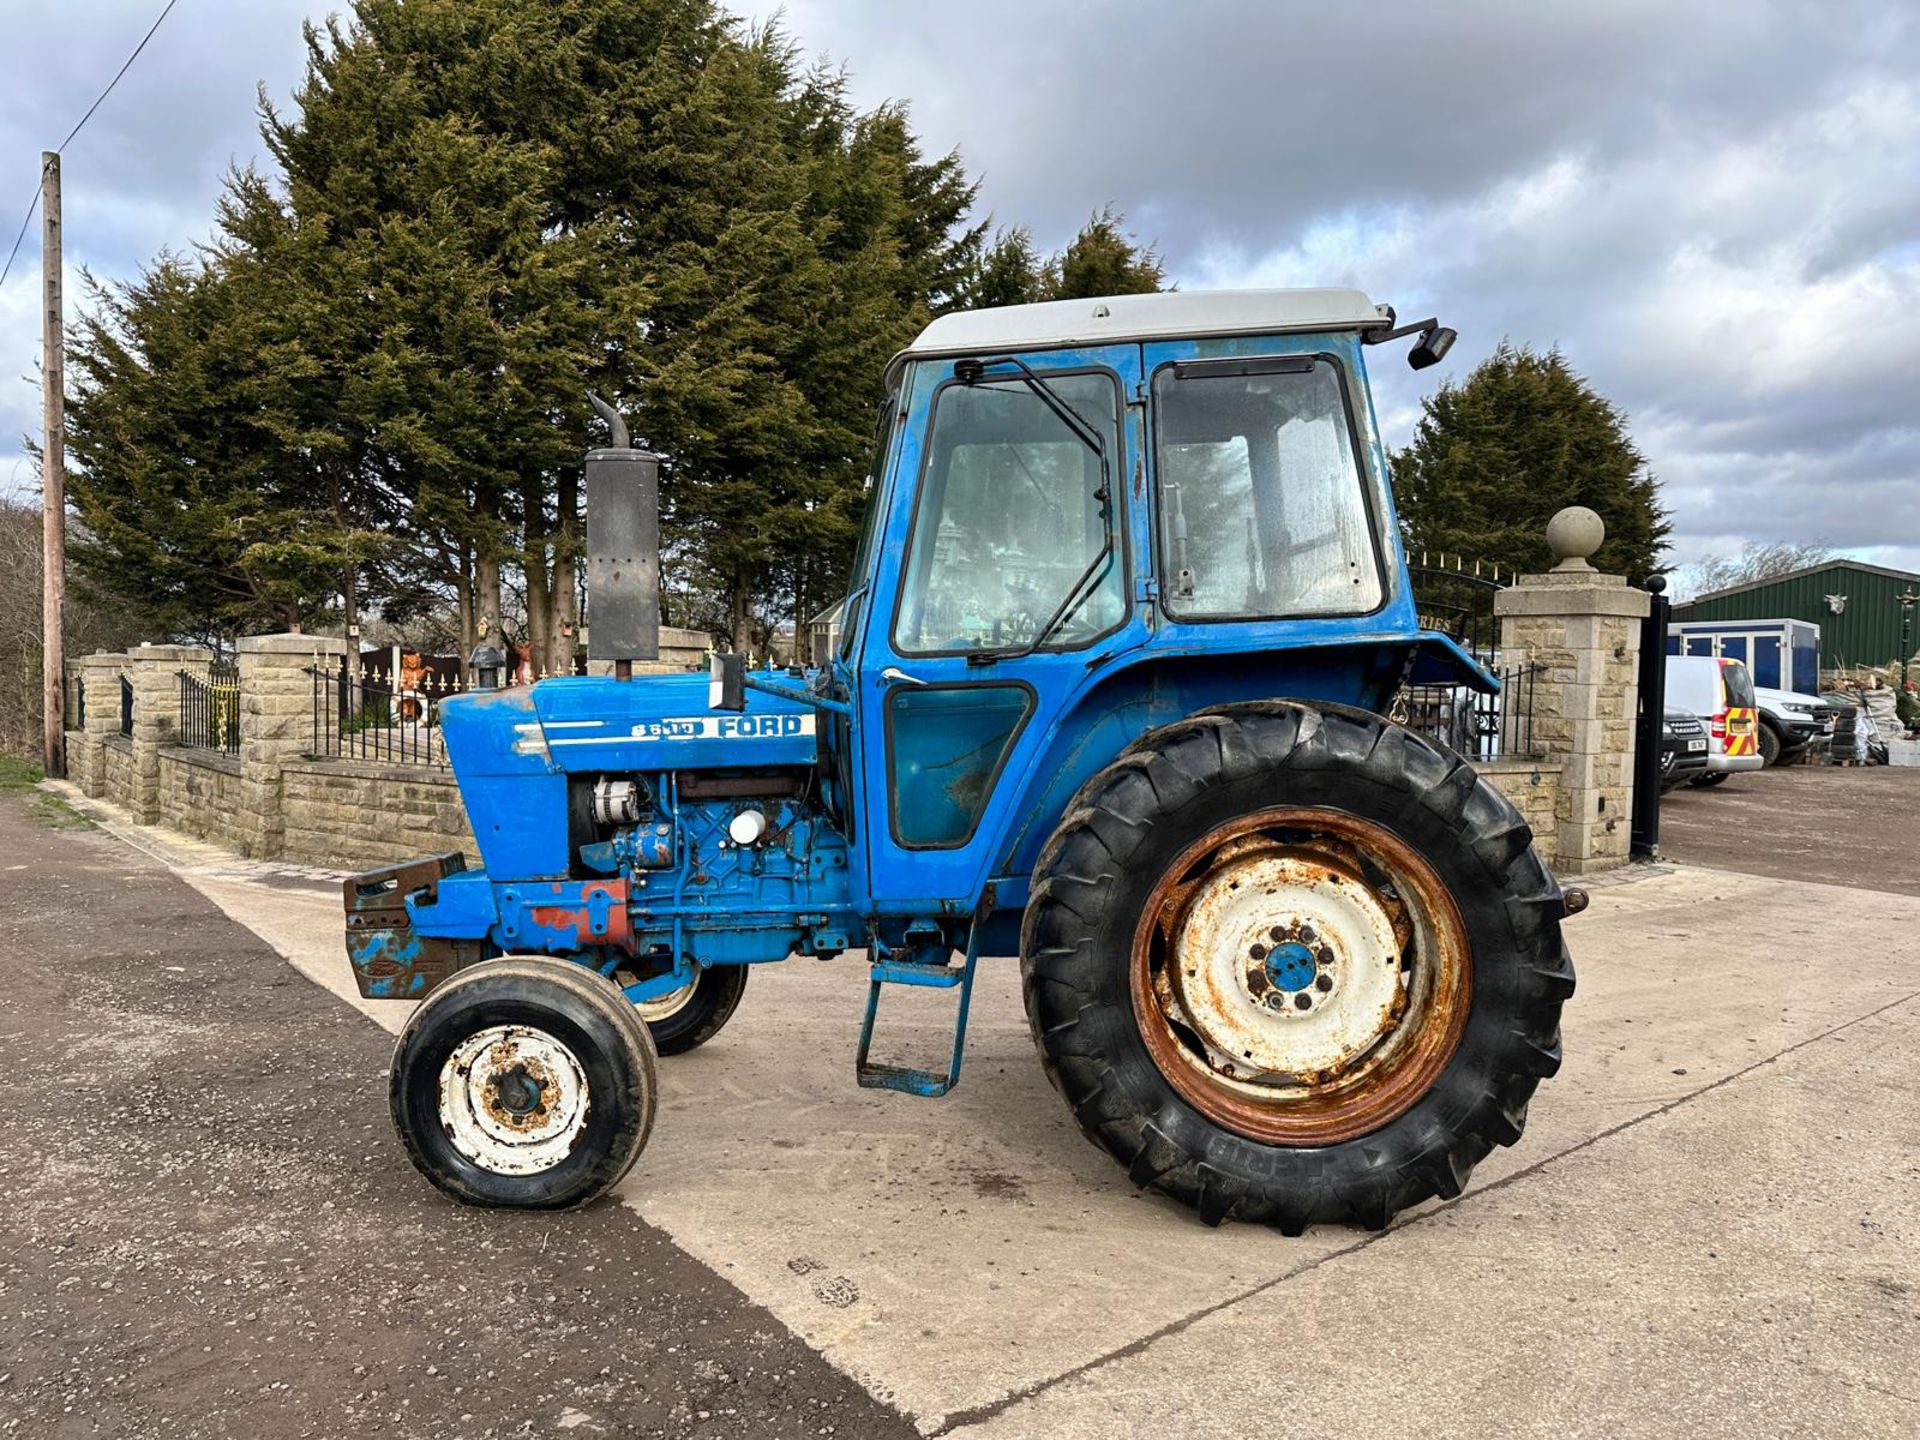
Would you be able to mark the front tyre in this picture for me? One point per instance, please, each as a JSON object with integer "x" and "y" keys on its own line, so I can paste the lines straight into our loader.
{"x": 524, "y": 1084}
{"x": 1294, "y": 964}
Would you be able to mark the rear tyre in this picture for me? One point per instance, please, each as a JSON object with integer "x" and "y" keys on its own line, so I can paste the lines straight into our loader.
{"x": 1770, "y": 745}
{"x": 1293, "y": 964}
{"x": 693, "y": 1015}
{"x": 524, "y": 1084}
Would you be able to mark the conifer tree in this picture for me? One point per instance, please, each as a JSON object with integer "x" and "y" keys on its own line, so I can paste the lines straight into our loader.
{"x": 482, "y": 209}
{"x": 1522, "y": 437}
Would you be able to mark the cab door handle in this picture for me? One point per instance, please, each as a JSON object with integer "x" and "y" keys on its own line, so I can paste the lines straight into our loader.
{"x": 894, "y": 675}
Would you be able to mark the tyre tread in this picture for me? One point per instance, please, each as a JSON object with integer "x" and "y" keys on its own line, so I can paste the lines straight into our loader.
{"x": 1064, "y": 970}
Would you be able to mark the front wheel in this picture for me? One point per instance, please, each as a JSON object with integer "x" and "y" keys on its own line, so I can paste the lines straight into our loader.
{"x": 687, "y": 1018}
{"x": 524, "y": 1084}
{"x": 1294, "y": 964}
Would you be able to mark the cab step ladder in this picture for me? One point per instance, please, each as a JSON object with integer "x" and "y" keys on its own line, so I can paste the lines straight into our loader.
{"x": 936, "y": 975}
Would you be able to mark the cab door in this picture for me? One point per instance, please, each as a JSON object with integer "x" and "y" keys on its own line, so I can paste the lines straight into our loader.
{"x": 1009, "y": 574}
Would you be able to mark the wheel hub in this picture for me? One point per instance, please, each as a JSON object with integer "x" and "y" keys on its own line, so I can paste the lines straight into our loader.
{"x": 1286, "y": 965}
{"x": 513, "y": 1099}
{"x": 1290, "y": 965}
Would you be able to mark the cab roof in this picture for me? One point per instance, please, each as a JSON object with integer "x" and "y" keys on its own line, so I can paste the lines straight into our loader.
{"x": 1178, "y": 315}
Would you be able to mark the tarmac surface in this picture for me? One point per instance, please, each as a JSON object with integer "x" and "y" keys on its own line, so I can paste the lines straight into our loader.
{"x": 1711, "y": 1227}
{"x": 1843, "y": 825}
{"x": 208, "y": 1228}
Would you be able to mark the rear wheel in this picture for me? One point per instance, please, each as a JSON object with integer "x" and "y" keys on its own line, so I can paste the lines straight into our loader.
{"x": 524, "y": 1084}
{"x": 1293, "y": 964}
{"x": 1770, "y": 745}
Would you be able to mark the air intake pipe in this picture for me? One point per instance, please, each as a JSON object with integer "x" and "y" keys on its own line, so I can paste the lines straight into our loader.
{"x": 623, "y": 549}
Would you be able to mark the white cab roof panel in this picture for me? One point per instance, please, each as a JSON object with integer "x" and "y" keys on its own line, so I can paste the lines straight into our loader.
{"x": 1179, "y": 315}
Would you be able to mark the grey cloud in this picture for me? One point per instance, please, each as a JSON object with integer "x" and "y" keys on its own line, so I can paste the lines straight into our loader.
{"x": 1239, "y": 122}
{"x": 1713, "y": 209}
{"x": 144, "y": 174}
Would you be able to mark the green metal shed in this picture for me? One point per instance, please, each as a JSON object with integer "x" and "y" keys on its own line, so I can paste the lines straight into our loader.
{"x": 1857, "y": 607}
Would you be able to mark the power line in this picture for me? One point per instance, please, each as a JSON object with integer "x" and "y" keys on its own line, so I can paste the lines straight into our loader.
{"x": 122, "y": 71}
{"x": 7, "y": 269}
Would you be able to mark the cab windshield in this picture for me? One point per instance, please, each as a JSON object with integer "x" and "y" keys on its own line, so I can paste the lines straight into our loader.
{"x": 1009, "y": 521}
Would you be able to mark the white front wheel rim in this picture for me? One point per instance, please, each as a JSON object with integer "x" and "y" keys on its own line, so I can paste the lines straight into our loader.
{"x": 513, "y": 1100}
{"x": 665, "y": 1007}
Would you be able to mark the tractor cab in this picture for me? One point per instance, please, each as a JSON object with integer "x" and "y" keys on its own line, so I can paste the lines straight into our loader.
{"x": 1092, "y": 516}
{"x": 1108, "y": 694}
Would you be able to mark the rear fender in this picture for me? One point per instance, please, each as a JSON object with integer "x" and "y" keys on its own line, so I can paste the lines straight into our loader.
{"x": 1119, "y": 707}
{"x": 1440, "y": 660}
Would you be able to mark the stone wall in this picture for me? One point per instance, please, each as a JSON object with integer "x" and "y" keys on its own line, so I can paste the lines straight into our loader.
{"x": 350, "y": 815}
{"x": 274, "y": 800}
{"x": 278, "y": 801}
{"x": 1534, "y": 788}
{"x": 1583, "y": 628}
{"x": 116, "y": 769}
{"x": 200, "y": 793}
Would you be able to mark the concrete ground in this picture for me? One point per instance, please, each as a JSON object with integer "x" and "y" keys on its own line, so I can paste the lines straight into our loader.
{"x": 1711, "y": 1227}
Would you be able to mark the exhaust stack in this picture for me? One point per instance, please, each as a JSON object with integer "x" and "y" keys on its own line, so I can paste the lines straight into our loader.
{"x": 623, "y": 549}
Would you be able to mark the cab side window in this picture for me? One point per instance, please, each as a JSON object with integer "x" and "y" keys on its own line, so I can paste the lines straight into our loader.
{"x": 1263, "y": 509}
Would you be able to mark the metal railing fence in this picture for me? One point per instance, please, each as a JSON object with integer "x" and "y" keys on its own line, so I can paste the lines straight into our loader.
{"x": 1472, "y": 725}
{"x": 210, "y": 709}
{"x": 368, "y": 716}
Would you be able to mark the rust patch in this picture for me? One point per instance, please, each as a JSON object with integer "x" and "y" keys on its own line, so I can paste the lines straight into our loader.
{"x": 1363, "y": 1092}
{"x": 579, "y": 918}
{"x": 517, "y": 1096}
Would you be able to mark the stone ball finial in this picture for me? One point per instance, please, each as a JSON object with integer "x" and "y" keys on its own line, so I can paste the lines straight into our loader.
{"x": 1574, "y": 534}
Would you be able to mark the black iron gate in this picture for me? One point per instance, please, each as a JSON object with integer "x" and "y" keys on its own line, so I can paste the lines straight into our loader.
{"x": 1457, "y": 601}
{"x": 1649, "y": 733}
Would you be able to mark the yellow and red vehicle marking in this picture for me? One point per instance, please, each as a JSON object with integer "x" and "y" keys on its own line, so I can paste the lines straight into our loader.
{"x": 1738, "y": 731}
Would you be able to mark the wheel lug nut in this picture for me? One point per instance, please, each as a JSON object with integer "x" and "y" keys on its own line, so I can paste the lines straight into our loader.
{"x": 1303, "y": 1001}
{"x": 1276, "y": 934}
{"x": 1323, "y": 984}
{"x": 1258, "y": 952}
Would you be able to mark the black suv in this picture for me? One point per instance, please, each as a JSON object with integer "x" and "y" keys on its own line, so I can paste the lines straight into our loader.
{"x": 1683, "y": 748}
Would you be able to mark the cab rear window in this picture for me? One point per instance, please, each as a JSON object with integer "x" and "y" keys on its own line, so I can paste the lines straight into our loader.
{"x": 1739, "y": 685}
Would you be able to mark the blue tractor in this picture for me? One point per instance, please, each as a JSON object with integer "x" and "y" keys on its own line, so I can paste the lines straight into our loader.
{"x": 1107, "y": 693}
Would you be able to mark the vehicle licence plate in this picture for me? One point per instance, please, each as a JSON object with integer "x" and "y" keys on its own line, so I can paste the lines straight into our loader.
{"x": 1696, "y": 745}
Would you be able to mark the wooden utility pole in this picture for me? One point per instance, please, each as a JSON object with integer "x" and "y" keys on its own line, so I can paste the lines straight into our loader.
{"x": 53, "y": 474}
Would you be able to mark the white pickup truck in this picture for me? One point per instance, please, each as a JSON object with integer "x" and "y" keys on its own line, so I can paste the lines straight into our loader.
{"x": 1789, "y": 722}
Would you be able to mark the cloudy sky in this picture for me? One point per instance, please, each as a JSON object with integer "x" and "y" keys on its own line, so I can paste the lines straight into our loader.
{"x": 1714, "y": 209}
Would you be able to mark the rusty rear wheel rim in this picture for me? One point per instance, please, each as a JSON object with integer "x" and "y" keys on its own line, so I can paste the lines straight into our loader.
{"x": 1301, "y": 977}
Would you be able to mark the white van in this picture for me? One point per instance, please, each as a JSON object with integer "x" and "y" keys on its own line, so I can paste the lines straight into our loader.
{"x": 1720, "y": 692}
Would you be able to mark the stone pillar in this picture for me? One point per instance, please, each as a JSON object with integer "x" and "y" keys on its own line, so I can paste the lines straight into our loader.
{"x": 1583, "y": 626}
{"x": 155, "y": 673}
{"x": 276, "y": 726}
{"x": 100, "y": 677}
